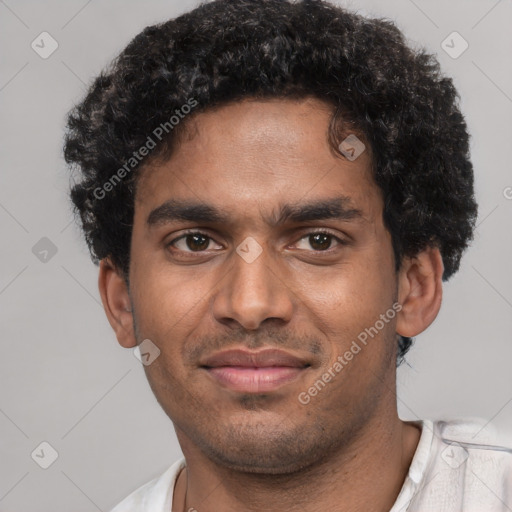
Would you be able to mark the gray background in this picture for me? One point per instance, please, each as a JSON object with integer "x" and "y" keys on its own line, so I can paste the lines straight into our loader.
{"x": 64, "y": 378}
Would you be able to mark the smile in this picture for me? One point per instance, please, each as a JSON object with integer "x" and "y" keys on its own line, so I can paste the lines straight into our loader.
{"x": 254, "y": 380}
{"x": 254, "y": 372}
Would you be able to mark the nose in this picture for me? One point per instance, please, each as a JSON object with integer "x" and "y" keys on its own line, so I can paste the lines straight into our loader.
{"x": 253, "y": 291}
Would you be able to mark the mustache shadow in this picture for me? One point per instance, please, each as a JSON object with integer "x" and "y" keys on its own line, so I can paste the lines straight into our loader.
{"x": 252, "y": 341}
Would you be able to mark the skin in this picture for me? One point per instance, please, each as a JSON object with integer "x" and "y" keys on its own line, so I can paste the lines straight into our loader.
{"x": 345, "y": 450}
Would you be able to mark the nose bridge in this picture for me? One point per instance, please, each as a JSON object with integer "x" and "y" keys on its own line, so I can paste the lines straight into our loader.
{"x": 252, "y": 269}
{"x": 252, "y": 290}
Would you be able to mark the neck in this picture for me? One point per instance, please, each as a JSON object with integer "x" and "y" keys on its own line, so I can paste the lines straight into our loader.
{"x": 370, "y": 471}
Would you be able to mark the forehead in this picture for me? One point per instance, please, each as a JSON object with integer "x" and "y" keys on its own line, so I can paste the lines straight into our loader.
{"x": 254, "y": 156}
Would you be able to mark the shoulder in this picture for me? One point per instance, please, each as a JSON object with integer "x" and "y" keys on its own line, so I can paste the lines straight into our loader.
{"x": 472, "y": 440}
{"x": 156, "y": 495}
{"x": 469, "y": 466}
{"x": 474, "y": 443}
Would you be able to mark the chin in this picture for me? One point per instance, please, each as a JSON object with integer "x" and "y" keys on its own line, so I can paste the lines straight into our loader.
{"x": 267, "y": 449}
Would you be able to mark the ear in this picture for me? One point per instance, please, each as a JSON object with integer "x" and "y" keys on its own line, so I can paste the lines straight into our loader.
{"x": 116, "y": 302}
{"x": 420, "y": 291}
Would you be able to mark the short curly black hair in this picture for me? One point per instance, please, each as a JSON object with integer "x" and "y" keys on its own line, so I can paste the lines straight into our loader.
{"x": 393, "y": 96}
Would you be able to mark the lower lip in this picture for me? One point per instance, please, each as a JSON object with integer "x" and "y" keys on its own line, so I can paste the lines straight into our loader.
{"x": 254, "y": 380}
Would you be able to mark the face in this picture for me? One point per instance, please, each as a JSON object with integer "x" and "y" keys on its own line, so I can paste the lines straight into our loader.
{"x": 258, "y": 259}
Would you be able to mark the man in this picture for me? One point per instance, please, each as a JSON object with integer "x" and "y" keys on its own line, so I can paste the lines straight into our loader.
{"x": 275, "y": 192}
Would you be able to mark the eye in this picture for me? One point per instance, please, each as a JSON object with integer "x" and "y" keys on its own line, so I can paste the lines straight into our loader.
{"x": 199, "y": 242}
{"x": 321, "y": 240}
{"x": 193, "y": 241}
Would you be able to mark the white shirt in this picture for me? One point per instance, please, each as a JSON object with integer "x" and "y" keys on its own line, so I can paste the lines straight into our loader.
{"x": 452, "y": 470}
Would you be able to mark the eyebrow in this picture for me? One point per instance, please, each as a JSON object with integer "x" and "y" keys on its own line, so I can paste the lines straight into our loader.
{"x": 337, "y": 208}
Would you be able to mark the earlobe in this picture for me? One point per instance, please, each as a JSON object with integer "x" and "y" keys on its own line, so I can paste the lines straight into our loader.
{"x": 116, "y": 302}
{"x": 420, "y": 291}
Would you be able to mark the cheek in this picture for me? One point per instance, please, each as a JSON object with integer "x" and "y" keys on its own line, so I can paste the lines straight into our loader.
{"x": 360, "y": 345}
{"x": 168, "y": 308}
{"x": 168, "y": 302}
{"x": 350, "y": 298}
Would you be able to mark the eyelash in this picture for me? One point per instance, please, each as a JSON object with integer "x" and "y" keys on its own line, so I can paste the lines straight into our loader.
{"x": 319, "y": 231}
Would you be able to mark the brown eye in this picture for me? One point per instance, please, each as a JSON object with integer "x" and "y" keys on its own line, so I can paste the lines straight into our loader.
{"x": 191, "y": 242}
{"x": 319, "y": 241}
{"x": 197, "y": 242}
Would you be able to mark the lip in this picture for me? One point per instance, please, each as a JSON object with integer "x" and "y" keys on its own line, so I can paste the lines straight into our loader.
{"x": 261, "y": 359}
{"x": 254, "y": 372}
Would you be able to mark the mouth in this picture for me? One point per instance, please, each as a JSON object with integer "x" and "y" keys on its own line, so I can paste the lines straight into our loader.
{"x": 254, "y": 372}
